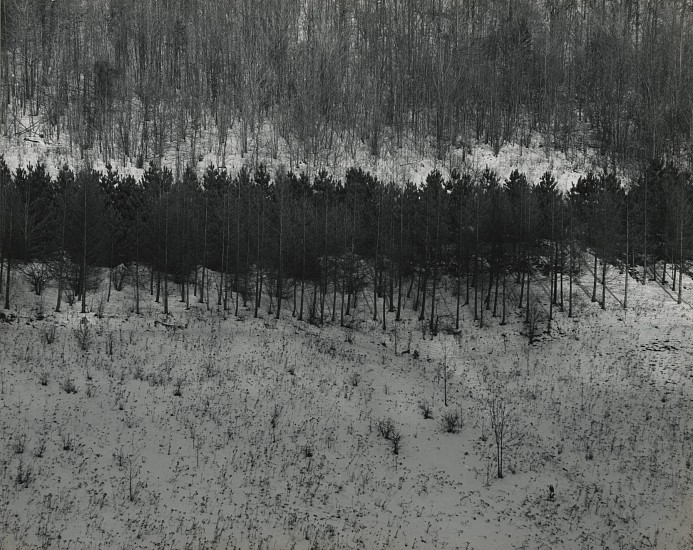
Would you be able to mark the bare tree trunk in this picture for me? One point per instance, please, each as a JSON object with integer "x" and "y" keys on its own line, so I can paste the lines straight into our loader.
{"x": 204, "y": 258}
{"x": 166, "y": 259}
{"x": 604, "y": 265}
{"x": 625, "y": 292}
{"x": 495, "y": 298}
{"x": 9, "y": 267}
{"x": 137, "y": 267}
{"x": 481, "y": 309}
{"x": 527, "y": 312}
{"x": 61, "y": 263}
{"x": 158, "y": 285}
{"x": 476, "y": 287}
{"x": 505, "y": 277}
{"x": 594, "y": 280}
{"x": 84, "y": 253}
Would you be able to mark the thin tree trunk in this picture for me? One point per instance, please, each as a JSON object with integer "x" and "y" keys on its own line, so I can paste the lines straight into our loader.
{"x": 110, "y": 274}
{"x": 495, "y": 298}
{"x": 505, "y": 276}
{"x": 604, "y": 284}
{"x": 335, "y": 281}
{"x": 84, "y": 253}
{"x": 424, "y": 285}
{"x": 7, "y": 284}
{"x": 204, "y": 258}
{"x": 258, "y": 275}
{"x": 166, "y": 260}
{"x": 137, "y": 267}
{"x": 551, "y": 290}
{"x": 527, "y": 312}
{"x": 314, "y": 302}
{"x": 341, "y": 311}
{"x": 476, "y": 288}
{"x": 625, "y": 292}
{"x": 9, "y": 267}
{"x": 594, "y": 280}
{"x": 384, "y": 307}
{"x": 375, "y": 268}
{"x": 222, "y": 281}
{"x": 158, "y": 285}
{"x": 237, "y": 281}
{"x": 487, "y": 300}
{"x": 481, "y": 309}
{"x": 466, "y": 279}
{"x": 459, "y": 290}
{"x": 562, "y": 272}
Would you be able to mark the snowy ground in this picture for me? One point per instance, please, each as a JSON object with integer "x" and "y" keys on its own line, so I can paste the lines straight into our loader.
{"x": 273, "y": 440}
{"x": 411, "y": 161}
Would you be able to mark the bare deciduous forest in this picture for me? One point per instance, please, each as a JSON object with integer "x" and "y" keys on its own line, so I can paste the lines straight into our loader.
{"x": 129, "y": 78}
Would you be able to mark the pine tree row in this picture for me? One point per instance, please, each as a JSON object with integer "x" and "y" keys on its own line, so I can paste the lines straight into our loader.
{"x": 256, "y": 239}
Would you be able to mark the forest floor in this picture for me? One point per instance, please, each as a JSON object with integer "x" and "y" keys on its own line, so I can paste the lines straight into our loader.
{"x": 204, "y": 430}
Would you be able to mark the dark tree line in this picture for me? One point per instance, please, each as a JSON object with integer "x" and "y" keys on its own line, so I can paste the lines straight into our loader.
{"x": 322, "y": 246}
{"x": 135, "y": 78}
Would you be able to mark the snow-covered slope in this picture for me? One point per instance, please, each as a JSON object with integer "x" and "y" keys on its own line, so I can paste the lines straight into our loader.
{"x": 409, "y": 162}
{"x": 272, "y": 439}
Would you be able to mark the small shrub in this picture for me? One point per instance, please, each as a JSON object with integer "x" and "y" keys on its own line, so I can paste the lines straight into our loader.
{"x": 276, "y": 413}
{"x": 157, "y": 379}
{"x": 25, "y": 473}
{"x": 209, "y": 369}
{"x": 101, "y": 306}
{"x": 120, "y": 272}
{"x": 396, "y": 441}
{"x": 37, "y": 275}
{"x": 48, "y": 334}
{"x": 84, "y": 335}
{"x": 426, "y": 409}
{"x": 120, "y": 457}
{"x": 451, "y": 422}
{"x": 40, "y": 447}
{"x": 110, "y": 339}
{"x": 43, "y": 377}
{"x": 67, "y": 441}
{"x": 536, "y": 318}
{"x": 19, "y": 443}
{"x": 138, "y": 373}
{"x": 307, "y": 450}
{"x": 68, "y": 386}
{"x": 386, "y": 428}
{"x": 354, "y": 379}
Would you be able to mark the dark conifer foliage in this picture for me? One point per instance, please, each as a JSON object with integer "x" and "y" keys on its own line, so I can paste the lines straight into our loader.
{"x": 323, "y": 246}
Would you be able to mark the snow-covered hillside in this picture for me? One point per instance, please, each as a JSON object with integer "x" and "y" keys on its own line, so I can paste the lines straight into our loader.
{"x": 203, "y": 430}
{"x": 394, "y": 164}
